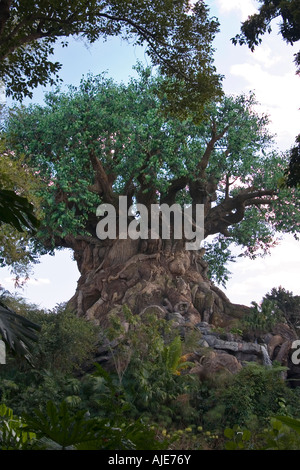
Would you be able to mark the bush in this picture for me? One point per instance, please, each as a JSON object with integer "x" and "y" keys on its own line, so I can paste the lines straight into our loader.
{"x": 255, "y": 393}
{"x": 65, "y": 341}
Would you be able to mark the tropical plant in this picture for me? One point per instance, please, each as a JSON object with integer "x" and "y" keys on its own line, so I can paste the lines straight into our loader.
{"x": 262, "y": 318}
{"x": 59, "y": 427}
{"x": 13, "y": 435}
{"x": 17, "y": 332}
{"x": 287, "y": 303}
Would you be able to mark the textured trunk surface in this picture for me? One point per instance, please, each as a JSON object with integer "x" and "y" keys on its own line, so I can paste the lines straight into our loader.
{"x": 172, "y": 283}
{"x": 142, "y": 274}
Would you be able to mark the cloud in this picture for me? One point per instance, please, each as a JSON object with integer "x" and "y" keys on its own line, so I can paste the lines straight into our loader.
{"x": 243, "y": 7}
{"x": 265, "y": 56}
{"x": 252, "y": 280}
{"x": 276, "y": 93}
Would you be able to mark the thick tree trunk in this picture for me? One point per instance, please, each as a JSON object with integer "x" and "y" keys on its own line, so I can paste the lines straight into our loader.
{"x": 146, "y": 273}
{"x": 170, "y": 282}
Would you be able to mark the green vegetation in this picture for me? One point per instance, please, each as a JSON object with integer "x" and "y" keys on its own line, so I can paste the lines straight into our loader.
{"x": 226, "y": 162}
{"x": 167, "y": 138}
{"x": 177, "y": 38}
{"x": 144, "y": 398}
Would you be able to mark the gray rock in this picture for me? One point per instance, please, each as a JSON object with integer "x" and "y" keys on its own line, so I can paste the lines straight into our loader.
{"x": 2, "y": 353}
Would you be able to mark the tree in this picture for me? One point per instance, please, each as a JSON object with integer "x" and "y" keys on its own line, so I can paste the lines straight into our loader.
{"x": 288, "y": 304}
{"x": 19, "y": 213}
{"x": 258, "y": 24}
{"x": 103, "y": 140}
{"x": 292, "y": 173}
{"x": 17, "y": 332}
{"x": 18, "y": 222}
{"x": 251, "y": 31}
{"x": 178, "y": 38}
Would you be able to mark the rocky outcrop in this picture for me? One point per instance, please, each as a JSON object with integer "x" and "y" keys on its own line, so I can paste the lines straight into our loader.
{"x": 226, "y": 352}
{"x": 219, "y": 350}
{"x": 2, "y": 353}
{"x": 174, "y": 286}
{"x": 214, "y": 363}
{"x": 243, "y": 351}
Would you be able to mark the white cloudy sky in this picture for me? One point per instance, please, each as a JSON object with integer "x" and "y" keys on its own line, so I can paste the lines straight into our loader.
{"x": 269, "y": 71}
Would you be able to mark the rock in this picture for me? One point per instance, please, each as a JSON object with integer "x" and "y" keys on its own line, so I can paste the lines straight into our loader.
{"x": 273, "y": 343}
{"x": 177, "y": 318}
{"x": 2, "y": 353}
{"x": 283, "y": 353}
{"x": 243, "y": 351}
{"x": 284, "y": 331}
{"x": 156, "y": 310}
{"x": 215, "y": 363}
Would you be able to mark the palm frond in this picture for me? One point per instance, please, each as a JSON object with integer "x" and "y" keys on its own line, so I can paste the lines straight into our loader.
{"x": 17, "y": 332}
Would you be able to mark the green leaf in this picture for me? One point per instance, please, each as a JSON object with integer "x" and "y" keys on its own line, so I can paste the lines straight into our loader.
{"x": 17, "y": 211}
{"x": 291, "y": 422}
{"x": 62, "y": 426}
{"x": 231, "y": 445}
{"x": 229, "y": 433}
{"x": 17, "y": 332}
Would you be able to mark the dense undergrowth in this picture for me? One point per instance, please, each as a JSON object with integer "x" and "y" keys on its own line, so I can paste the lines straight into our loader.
{"x": 143, "y": 399}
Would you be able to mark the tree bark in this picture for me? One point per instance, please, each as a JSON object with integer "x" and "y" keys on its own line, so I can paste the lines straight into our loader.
{"x": 146, "y": 274}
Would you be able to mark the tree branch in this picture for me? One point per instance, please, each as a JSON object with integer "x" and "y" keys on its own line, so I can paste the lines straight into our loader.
{"x": 103, "y": 184}
{"x": 215, "y": 137}
{"x": 232, "y": 210}
{"x": 174, "y": 187}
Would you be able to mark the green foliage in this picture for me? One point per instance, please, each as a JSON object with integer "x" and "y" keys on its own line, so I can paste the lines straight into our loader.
{"x": 122, "y": 133}
{"x": 172, "y": 355}
{"x": 65, "y": 341}
{"x": 16, "y": 211}
{"x": 19, "y": 213}
{"x": 61, "y": 428}
{"x": 13, "y": 435}
{"x": 256, "y": 392}
{"x": 148, "y": 362}
{"x": 218, "y": 254}
{"x": 281, "y": 433}
{"x": 153, "y": 403}
{"x": 258, "y": 24}
{"x": 293, "y": 173}
{"x": 238, "y": 438}
{"x": 178, "y": 39}
{"x": 287, "y": 303}
{"x": 262, "y": 318}
{"x": 17, "y": 332}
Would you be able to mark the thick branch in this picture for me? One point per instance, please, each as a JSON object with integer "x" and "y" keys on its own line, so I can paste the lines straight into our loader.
{"x": 232, "y": 210}
{"x": 174, "y": 187}
{"x": 103, "y": 183}
{"x": 151, "y": 39}
{"x": 215, "y": 137}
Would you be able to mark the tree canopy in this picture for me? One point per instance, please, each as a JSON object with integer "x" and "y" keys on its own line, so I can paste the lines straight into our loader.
{"x": 19, "y": 212}
{"x": 251, "y": 34}
{"x": 292, "y": 173}
{"x": 102, "y": 140}
{"x": 258, "y": 24}
{"x": 178, "y": 38}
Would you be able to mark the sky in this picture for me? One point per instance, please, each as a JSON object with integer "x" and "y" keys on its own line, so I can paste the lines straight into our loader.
{"x": 269, "y": 71}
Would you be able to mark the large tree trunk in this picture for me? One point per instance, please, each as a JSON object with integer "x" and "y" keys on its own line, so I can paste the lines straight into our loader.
{"x": 146, "y": 273}
{"x": 172, "y": 283}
